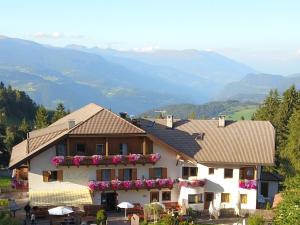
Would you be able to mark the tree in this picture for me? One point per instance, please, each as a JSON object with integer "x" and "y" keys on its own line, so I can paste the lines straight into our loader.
{"x": 269, "y": 107}
{"x": 192, "y": 116}
{"x": 290, "y": 154}
{"x": 24, "y": 128}
{"x": 41, "y": 118}
{"x": 59, "y": 112}
{"x": 242, "y": 118}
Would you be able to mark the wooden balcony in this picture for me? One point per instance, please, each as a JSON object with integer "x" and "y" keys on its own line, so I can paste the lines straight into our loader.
{"x": 95, "y": 160}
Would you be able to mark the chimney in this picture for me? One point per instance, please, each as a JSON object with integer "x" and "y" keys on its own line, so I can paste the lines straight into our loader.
{"x": 170, "y": 121}
{"x": 71, "y": 124}
{"x": 123, "y": 115}
{"x": 222, "y": 121}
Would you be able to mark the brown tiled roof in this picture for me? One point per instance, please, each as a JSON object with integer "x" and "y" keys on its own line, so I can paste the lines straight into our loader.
{"x": 18, "y": 153}
{"x": 242, "y": 142}
{"x": 106, "y": 122}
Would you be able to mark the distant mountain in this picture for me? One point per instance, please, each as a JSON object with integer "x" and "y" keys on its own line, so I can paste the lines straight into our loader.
{"x": 231, "y": 109}
{"x": 254, "y": 87}
{"x": 119, "y": 80}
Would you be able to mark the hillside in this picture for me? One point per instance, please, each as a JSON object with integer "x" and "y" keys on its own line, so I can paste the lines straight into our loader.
{"x": 255, "y": 87}
{"x": 232, "y": 109}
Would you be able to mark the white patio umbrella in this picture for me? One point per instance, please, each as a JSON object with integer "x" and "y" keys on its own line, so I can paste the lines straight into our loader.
{"x": 211, "y": 209}
{"x": 238, "y": 205}
{"x": 125, "y": 205}
{"x": 60, "y": 211}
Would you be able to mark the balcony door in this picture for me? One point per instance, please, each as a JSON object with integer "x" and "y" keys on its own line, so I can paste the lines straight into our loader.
{"x": 109, "y": 201}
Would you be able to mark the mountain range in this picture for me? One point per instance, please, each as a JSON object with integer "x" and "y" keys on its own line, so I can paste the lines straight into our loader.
{"x": 132, "y": 81}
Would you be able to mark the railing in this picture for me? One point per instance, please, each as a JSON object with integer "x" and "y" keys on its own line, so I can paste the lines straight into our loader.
{"x": 130, "y": 185}
{"x": 105, "y": 160}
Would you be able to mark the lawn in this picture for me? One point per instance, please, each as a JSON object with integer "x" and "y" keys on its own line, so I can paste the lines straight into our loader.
{"x": 5, "y": 182}
{"x": 246, "y": 113}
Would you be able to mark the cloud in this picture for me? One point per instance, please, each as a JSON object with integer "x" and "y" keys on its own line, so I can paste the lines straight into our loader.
{"x": 298, "y": 53}
{"x": 146, "y": 49}
{"x": 54, "y": 35}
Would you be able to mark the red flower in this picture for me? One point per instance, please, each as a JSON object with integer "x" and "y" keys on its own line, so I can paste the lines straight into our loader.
{"x": 116, "y": 159}
{"x": 57, "y": 160}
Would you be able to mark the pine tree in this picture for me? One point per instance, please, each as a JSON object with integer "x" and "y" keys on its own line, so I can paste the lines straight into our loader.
{"x": 59, "y": 112}
{"x": 268, "y": 109}
{"x": 290, "y": 155}
{"x": 24, "y": 128}
{"x": 41, "y": 118}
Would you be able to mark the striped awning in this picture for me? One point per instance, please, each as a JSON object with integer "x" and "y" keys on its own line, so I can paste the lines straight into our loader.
{"x": 75, "y": 197}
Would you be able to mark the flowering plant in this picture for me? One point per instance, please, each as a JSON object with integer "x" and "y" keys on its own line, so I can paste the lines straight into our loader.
{"x": 103, "y": 185}
{"x": 138, "y": 183}
{"x": 92, "y": 185}
{"x": 169, "y": 183}
{"x": 153, "y": 158}
{"x": 193, "y": 183}
{"x": 115, "y": 184}
{"x": 77, "y": 160}
{"x": 150, "y": 183}
{"x": 248, "y": 184}
{"x": 133, "y": 158}
{"x": 116, "y": 159}
{"x": 57, "y": 160}
{"x": 96, "y": 159}
{"x": 127, "y": 184}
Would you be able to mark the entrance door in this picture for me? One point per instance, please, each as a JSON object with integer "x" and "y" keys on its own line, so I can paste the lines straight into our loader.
{"x": 109, "y": 201}
{"x": 208, "y": 197}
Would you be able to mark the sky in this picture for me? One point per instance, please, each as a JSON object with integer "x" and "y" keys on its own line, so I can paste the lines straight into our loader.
{"x": 263, "y": 34}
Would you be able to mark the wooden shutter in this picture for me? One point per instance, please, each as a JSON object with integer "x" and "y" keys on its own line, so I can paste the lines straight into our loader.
{"x": 60, "y": 175}
{"x": 164, "y": 173}
{"x": 45, "y": 176}
{"x": 121, "y": 174}
{"x": 134, "y": 174}
{"x": 151, "y": 173}
{"x": 112, "y": 174}
{"x": 98, "y": 175}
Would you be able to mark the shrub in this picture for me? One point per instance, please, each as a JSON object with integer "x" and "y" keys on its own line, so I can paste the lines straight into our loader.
{"x": 3, "y": 202}
{"x": 101, "y": 217}
{"x": 5, "y": 219}
{"x": 184, "y": 223}
{"x": 144, "y": 223}
{"x": 268, "y": 206}
{"x": 256, "y": 220}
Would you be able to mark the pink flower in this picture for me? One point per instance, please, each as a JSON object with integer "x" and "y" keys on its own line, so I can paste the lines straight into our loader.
{"x": 92, "y": 185}
{"x": 57, "y": 160}
{"x": 127, "y": 184}
{"x": 77, "y": 159}
{"x": 96, "y": 159}
{"x": 150, "y": 183}
{"x": 169, "y": 183}
{"x": 116, "y": 159}
{"x": 161, "y": 182}
{"x": 192, "y": 183}
{"x": 153, "y": 158}
{"x": 133, "y": 158}
{"x": 248, "y": 184}
{"x": 102, "y": 185}
{"x": 115, "y": 184}
{"x": 138, "y": 184}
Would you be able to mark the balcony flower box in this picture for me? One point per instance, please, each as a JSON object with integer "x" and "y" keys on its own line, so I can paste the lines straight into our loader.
{"x": 77, "y": 159}
{"x": 127, "y": 184}
{"x": 92, "y": 185}
{"x": 57, "y": 160}
{"x": 115, "y": 184}
{"x": 192, "y": 183}
{"x": 133, "y": 158}
{"x": 150, "y": 184}
{"x": 103, "y": 185}
{"x": 161, "y": 183}
{"x": 96, "y": 159}
{"x": 116, "y": 159}
{"x": 248, "y": 184}
{"x": 153, "y": 158}
{"x": 138, "y": 184}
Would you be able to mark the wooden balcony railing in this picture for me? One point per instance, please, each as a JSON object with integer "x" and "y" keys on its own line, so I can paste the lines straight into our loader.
{"x": 105, "y": 160}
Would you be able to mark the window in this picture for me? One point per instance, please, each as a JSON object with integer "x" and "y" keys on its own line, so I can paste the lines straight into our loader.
{"x": 195, "y": 199}
{"x": 243, "y": 198}
{"x": 158, "y": 172}
{"x": 211, "y": 171}
{"x": 264, "y": 189}
{"x": 154, "y": 196}
{"x": 123, "y": 149}
{"x": 106, "y": 175}
{"x": 247, "y": 173}
{"x": 228, "y": 173}
{"x": 225, "y": 197}
{"x": 166, "y": 195}
{"x": 80, "y": 149}
{"x": 50, "y": 176}
{"x": 100, "y": 149}
{"x": 61, "y": 150}
{"x": 127, "y": 174}
{"x": 189, "y": 171}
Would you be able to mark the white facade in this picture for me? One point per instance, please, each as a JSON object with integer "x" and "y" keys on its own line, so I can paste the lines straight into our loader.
{"x": 78, "y": 177}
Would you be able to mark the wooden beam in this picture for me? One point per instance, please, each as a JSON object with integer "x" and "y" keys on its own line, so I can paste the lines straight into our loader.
{"x": 106, "y": 146}
{"x": 144, "y": 146}
{"x": 68, "y": 146}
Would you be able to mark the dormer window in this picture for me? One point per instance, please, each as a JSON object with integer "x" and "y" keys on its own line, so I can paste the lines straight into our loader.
{"x": 199, "y": 136}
